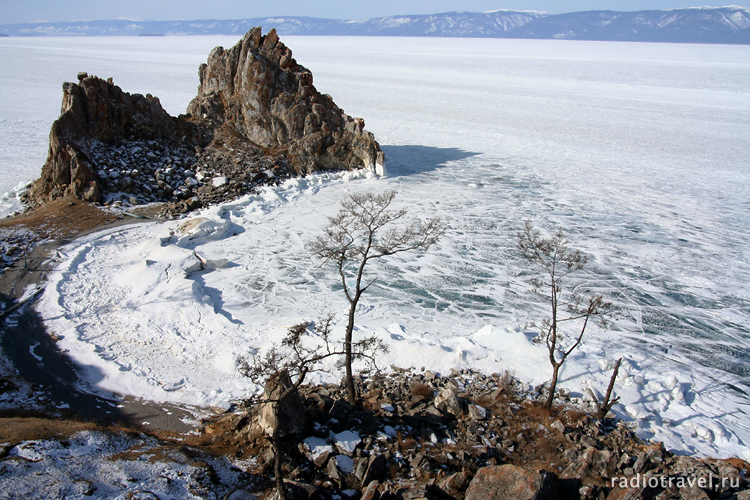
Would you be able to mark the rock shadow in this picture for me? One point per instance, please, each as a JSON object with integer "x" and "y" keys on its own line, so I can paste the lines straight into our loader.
{"x": 412, "y": 160}
{"x": 37, "y": 358}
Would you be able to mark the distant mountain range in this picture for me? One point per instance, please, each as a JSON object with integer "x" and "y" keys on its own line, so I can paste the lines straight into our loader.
{"x": 729, "y": 25}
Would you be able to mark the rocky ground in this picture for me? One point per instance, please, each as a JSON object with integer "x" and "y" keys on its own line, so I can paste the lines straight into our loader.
{"x": 181, "y": 179}
{"x": 466, "y": 436}
{"x": 53, "y": 223}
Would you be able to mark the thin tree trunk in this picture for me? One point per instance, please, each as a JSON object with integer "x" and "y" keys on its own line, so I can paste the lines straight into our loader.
{"x": 351, "y": 393}
{"x": 280, "y": 488}
{"x": 552, "y": 386}
{"x": 607, "y": 405}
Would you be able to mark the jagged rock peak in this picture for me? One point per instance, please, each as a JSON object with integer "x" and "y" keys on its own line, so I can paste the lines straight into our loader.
{"x": 257, "y": 92}
{"x": 257, "y": 119}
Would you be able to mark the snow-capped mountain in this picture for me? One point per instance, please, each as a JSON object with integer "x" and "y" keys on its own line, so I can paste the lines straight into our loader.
{"x": 694, "y": 25}
{"x": 466, "y": 24}
{"x": 691, "y": 25}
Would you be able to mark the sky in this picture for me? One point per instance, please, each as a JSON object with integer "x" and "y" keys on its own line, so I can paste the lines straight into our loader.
{"x": 21, "y": 11}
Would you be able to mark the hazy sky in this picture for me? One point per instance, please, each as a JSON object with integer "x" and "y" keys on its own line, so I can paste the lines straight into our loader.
{"x": 19, "y": 11}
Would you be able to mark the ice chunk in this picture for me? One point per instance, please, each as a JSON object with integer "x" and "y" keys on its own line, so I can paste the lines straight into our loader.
{"x": 199, "y": 229}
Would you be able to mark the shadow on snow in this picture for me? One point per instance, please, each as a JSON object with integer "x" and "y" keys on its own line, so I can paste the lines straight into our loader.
{"x": 412, "y": 160}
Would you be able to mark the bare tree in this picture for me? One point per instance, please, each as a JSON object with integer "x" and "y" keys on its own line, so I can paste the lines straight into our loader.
{"x": 556, "y": 262}
{"x": 284, "y": 368}
{"x": 361, "y": 232}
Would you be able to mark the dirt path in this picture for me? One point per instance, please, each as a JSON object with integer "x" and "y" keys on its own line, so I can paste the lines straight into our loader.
{"x": 27, "y": 343}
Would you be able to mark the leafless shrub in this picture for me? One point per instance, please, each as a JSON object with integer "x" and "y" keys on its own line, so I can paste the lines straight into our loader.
{"x": 361, "y": 232}
{"x": 556, "y": 261}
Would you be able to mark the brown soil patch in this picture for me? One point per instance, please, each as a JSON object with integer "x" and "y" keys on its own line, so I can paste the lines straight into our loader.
{"x": 66, "y": 218}
{"x": 14, "y": 430}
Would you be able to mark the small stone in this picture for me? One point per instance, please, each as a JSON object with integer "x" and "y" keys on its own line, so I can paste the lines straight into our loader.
{"x": 455, "y": 484}
{"x": 477, "y": 412}
{"x": 347, "y": 441}
{"x": 447, "y": 401}
{"x": 371, "y": 491}
{"x": 693, "y": 493}
{"x": 558, "y": 426}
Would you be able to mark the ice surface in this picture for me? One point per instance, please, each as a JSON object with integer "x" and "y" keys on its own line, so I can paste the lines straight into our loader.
{"x": 638, "y": 151}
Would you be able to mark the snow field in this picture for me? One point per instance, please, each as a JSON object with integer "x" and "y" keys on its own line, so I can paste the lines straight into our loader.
{"x": 231, "y": 279}
{"x": 638, "y": 151}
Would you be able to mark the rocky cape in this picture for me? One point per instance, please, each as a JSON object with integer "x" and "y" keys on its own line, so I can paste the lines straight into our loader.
{"x": 257, "y": 119}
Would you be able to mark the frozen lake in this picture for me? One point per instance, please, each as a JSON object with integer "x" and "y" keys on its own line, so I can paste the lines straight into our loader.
{"x": 640, "y": 152}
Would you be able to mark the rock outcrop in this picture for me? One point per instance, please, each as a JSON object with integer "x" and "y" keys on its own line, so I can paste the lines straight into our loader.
{"x": 256, "y": 92}
{"x": 257, "y": 119}
{"x": 95, "y": 111}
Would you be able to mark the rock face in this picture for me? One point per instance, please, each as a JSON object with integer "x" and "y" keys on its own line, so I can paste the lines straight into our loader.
{"x": 256, "y": 120}
{"x": 94, "y": 112}
{"x": 257, "y": 92}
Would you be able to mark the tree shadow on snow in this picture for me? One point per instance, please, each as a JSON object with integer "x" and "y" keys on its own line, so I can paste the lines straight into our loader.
{"x": 412, "y": 160}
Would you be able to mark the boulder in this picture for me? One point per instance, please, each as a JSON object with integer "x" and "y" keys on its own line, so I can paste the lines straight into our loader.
{"x": 509, "y": 482}
{"x": 283, "y": 412}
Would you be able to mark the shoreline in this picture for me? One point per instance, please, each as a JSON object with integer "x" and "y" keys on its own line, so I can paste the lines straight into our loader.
{"x": 30, "y": 349}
